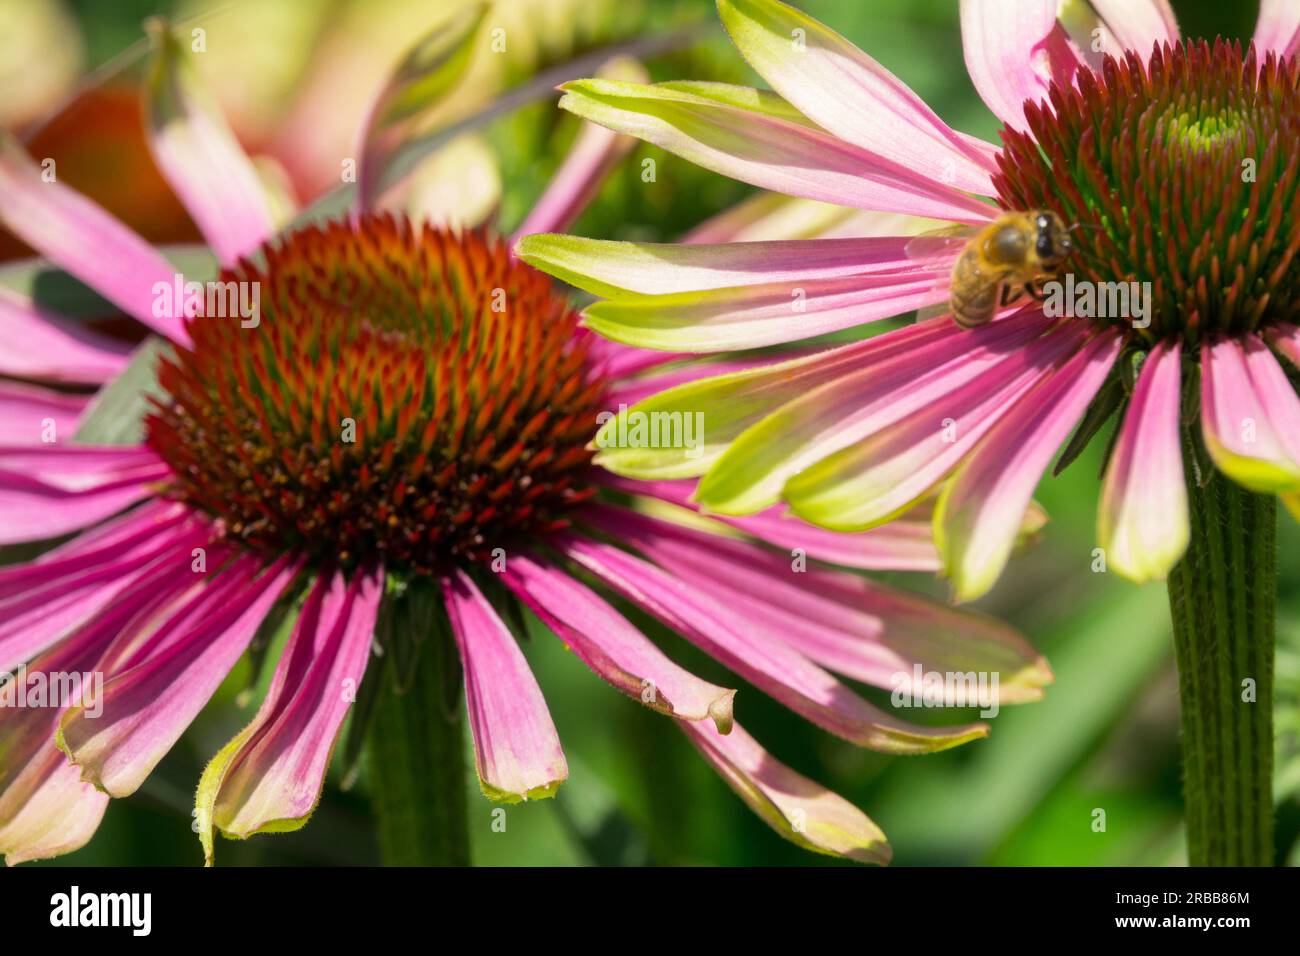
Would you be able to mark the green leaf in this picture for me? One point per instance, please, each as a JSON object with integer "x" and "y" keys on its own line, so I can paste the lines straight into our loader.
{"x": 116, "y": 416}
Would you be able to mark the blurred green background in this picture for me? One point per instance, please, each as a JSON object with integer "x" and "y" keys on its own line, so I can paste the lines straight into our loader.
{"x": 1105, "y": 736}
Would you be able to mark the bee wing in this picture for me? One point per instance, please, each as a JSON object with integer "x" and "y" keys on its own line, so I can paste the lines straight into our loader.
{"x": 939, "y": 246}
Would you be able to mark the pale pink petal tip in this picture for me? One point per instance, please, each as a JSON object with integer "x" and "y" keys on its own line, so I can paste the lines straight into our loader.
{"x": 798, "y": 809}
{"x": 515, "y": 744}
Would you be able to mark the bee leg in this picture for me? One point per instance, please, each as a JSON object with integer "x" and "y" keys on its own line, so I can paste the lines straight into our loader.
{"x": 1035, "y": 292}
{"x": 1008, "y": 295}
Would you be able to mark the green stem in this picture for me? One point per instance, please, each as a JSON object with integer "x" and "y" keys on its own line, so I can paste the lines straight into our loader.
{"x": 417, "y": 760}
{"x": 1222, "y": 597}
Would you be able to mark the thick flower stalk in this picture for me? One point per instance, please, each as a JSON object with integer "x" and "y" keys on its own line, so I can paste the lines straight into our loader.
{"x": 393, "y": 448}
{"x": 1172, "y": 318}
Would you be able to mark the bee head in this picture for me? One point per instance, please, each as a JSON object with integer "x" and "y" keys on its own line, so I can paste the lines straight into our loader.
{"x": 1053, "y": 244}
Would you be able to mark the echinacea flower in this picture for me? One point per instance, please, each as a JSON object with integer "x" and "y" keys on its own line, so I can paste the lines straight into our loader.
{"x": 1143, "y": 149}
{"x": 411, "y": 409}
{"x": 1176, "y": 316}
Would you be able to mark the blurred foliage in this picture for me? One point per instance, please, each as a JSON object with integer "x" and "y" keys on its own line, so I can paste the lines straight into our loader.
{"x": 1104, "y": 738}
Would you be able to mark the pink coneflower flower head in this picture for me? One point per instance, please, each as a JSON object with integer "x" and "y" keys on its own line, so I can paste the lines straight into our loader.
{"x": 409, "y": 412}
{"x": 1172, "y": 304}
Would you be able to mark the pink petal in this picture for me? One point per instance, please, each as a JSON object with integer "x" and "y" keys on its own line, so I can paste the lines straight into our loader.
{"x": 792, "y": 805}
{"x": 634, "y": 390}
{"x": 33, "y": 415}
{"x": 1139, "y": 24}
{"x": 73, "y": 233}
{"x": 199, "y": 156}
{"x": 880, "y": 477}
{"x": 158, "y": 688}
{"x": 845, "y": 91}
{"x": 515, "y": 743}
{"x": 606, "y": 267}
{"x": 48, "y": 810}
{"x": 768, "y": 151}
{"x": 1013, "y": 51}
{"x": 612, "y": 647}
{"x": 981, "y": 511}
{"x": 897, "y": 374}
{"x": 270, "y": 777}
{"x": 901, "y": 545}
{"x": 1278, "y": 28}
{"x": 1240, "y": 396}
{"x": 756, "y": 316}
{"x": 47, "y": 491}
{"x": 771, "y": 665}
{"x": 36, "y": 343}
{"x": 841, "y": 621}
{"x": 57, "y": 597}
{"x": 1142, "y": 522}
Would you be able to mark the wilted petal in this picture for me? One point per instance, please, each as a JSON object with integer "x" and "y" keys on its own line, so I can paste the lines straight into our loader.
{"x": 1142, "y": 523}
{"x": 73, "y": 232}
{"x": 269, "y": 777}
{"x": 794, "y": 806}
{"x": 980, "y": 512}
{"x": 517, "y": 749}
{"x": 199, "y": 156}
{"x": 847, "y": 92}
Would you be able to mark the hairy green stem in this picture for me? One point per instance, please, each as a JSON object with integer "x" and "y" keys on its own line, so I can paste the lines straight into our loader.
{"x": 1222, "y": 598}
{"x": 417, "y": 760}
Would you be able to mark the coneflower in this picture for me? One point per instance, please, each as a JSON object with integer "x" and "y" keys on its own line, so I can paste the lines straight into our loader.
{"x": 1173, "y": 163}
{"x": 395, "y": 449}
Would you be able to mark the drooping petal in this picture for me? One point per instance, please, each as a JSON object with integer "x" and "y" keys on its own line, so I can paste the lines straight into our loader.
{"x": 269, "y": 777}
{"x": 613, "y": 648}
{"x": 36, "y": 343}
{"x": 199, "y": 155}
{"x": 46, "y": 491}
{"x": 771, "y": 665}
{"x": 880, "y": 477}
{"x": 981, "y": 510}
{"x": 755, "y": 316}
{"x": 607, "y": 268}
{"x": 842, "y": 621}
{"x": 73, "y": 233}
{"x": 899, "y": 373}
{"x": 901, "y": 545}
{"x": 1014, "y": 49}
{"x": 515, "y": 744}
{"x": 32, "y": 415}
{"x": 848, "y": 93}
{"x": 767, "y": 150}
{"x": 592, "y": 157}
{"x": 794, "y": 806}
{"x": 161, "y": 683}
{"x": 1278, "y": 27}
{"x": 48, "y": 810}
{"x": 1139, "y": 24}
{"x": 1142, "y": 522}
{"x": 1239, "y": 433}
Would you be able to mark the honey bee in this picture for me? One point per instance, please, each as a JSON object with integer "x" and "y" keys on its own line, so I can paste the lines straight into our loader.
{"x": 997, "y": 263}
